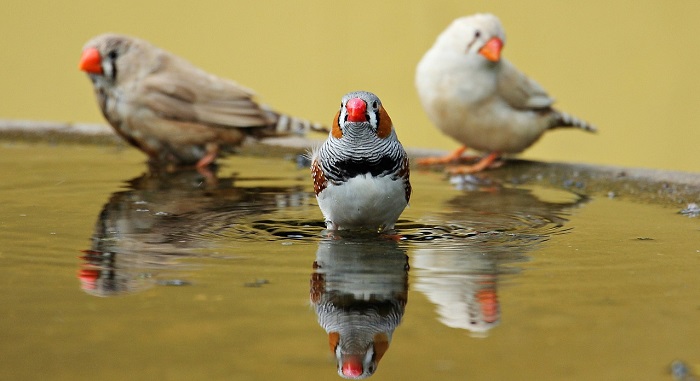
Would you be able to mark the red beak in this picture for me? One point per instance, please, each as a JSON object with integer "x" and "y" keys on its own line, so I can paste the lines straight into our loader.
{"x": 91, "y": 61}
{"x": 492, "y": 49}
{"x": 356, "y": 110}
{"x": 352, "y": 366}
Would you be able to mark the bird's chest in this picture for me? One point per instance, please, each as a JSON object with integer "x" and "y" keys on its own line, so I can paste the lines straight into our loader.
{"x": 129, "y": 119}
{"x": 114, "y": 105}
{"x": 455, "y": 94}
{"x": 455, "y": 80}
{"x": 461, "y": 88}
{"x": 363, "y": 200}
{"x": 363, "y": 190}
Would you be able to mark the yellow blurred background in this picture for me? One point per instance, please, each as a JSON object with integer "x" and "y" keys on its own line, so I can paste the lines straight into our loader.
{"x": 630, "y": 67}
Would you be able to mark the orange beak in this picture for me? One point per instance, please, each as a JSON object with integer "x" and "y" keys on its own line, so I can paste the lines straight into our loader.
{"x": 90, "y": 61}
{"x": 492, "y": 49}
{"x": 356, "y": 110}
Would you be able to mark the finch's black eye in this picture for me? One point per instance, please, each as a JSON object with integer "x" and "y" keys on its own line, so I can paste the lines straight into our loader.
{"x": 477, "y": 34}
{"x": 375, "y": 105}
{"x": 112, "y": 54}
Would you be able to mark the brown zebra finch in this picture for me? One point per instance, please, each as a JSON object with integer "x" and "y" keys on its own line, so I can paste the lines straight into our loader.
{"x": 480, "y": 99}
{"x": 360, "y": 173}
{"x": 173, "y": 111}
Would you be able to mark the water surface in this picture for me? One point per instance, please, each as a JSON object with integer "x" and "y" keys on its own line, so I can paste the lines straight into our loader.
{"x": 112, "y": 272}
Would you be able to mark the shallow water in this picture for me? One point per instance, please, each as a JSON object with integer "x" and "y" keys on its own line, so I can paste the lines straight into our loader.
{"x": 109, "y": 272}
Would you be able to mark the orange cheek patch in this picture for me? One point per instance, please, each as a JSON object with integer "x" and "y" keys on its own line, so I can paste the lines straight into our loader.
{"x": 384, "y": 128}
{"x": 336, "y": 131}
{"x": 381, "y": 344}
{"x": 333, "y": 340}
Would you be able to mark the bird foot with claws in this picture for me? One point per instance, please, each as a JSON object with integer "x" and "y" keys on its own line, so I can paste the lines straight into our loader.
{"x": 453, "y": 157}
{"x": 491, "y": 161}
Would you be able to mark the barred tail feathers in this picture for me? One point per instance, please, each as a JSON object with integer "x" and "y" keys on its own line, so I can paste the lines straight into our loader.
{"x": 289, "y": 125}
{"x": 564, "y": 120}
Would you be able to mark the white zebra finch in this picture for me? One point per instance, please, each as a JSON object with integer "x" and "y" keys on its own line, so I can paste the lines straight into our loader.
{"x": 480, "y": 99}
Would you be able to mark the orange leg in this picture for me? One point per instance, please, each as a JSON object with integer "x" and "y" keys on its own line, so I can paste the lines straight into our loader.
{"x": 392, "y": 237}
{"x": 486, "y": 162}
{"x": 451, "y": 157}
{"x": 202, "y": 165}
{"x": 206, "y": 160}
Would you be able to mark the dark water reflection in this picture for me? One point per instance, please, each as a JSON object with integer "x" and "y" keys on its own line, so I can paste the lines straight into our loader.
{"x": 360, "y": 283}
{"x": 490, "y": 230}
{"x": 497, "y": 208}
{"x": 359, "y": 290}
{"x": 144, "y": 230}
{"x": 548, "y": 282}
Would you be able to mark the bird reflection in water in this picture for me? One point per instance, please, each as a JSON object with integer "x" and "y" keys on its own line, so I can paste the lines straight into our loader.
{"x": 359, "y": 290}
{"x": 461, "y": 275}
{"x": 145, "y": 230}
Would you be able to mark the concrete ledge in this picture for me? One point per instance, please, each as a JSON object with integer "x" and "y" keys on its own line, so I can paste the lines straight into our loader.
{"x": 29, "y": 130}
{"x": 649, "y": 185}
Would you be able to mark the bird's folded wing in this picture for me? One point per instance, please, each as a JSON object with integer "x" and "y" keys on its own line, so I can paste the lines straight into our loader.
{"x": 202, "y": 99}
{"x": 520, "y": 91}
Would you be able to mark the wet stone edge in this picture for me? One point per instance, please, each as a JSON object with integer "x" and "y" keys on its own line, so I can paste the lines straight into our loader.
{"x": 648, "y": 185}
